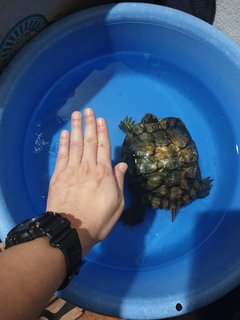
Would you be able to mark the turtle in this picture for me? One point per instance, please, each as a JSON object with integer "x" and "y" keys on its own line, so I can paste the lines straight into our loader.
{"x": 163, "y": 170}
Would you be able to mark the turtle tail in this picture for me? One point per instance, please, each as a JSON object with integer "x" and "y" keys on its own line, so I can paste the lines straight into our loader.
{"x": 174, "y": 209}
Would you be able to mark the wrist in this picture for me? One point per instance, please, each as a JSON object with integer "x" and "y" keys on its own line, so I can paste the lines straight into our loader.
{"x": 60, "y": 235}
{"x": 85, "y": 238}
{"x": 50, "y": 254}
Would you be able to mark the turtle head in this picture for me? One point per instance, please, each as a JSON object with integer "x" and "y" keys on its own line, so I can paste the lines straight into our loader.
{"x": 149, "y": 118}
{"x": 127, "y": 124}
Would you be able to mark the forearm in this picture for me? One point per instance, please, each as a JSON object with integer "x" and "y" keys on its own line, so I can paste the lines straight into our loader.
{"x": 90, "y": 193}
{"x": 30, "y": 274}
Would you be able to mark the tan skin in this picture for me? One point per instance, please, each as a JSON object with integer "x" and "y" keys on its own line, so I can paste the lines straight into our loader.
{"x": 85, "y": 189}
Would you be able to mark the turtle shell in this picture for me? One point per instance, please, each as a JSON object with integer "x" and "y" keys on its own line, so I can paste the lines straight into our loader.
{"x": 162, "y": 160}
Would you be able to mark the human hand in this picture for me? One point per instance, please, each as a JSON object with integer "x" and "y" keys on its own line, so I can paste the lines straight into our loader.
{"x": 84, "y": 187}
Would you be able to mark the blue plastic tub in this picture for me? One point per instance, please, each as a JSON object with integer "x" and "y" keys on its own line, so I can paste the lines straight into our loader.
{"x": 129, "y": 59}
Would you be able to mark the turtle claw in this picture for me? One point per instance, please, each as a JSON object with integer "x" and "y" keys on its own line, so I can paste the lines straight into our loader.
{"x": 127, "y": 124}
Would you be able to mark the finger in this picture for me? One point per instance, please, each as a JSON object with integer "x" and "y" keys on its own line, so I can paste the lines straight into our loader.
{"x": 119, "y": 171}
{"x": 104, "y": 148}
{"x": 76, "y": 140}
{"x": 90, "y": 137}
{"x": 63, "y": 152}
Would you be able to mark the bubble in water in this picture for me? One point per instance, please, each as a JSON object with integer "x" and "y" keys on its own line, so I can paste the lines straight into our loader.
{"x": 40, "y": 143}
{"x": 62, "y": 120}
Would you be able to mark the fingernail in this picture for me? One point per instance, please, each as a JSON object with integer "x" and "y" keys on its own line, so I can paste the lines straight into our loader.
{"x": 88, "y": 112}
{"x": 76, "y": 115}
{"x": 100, "y": 122}
{"x": 123, "y": 167}
{"x": 64, "y": 133}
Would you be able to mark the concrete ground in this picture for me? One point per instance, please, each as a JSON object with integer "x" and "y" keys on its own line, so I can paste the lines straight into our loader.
{"x": 228, "y": 18}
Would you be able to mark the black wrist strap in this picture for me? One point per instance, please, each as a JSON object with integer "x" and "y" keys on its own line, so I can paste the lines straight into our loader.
{"x": 66, "y": 239}
{"x": 60, "y": 234}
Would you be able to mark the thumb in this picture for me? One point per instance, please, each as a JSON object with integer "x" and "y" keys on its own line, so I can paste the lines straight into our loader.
{"x": 119, "y": 171}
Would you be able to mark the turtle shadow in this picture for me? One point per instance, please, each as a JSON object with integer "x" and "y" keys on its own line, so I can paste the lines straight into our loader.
{"x": 133, "y": 212}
